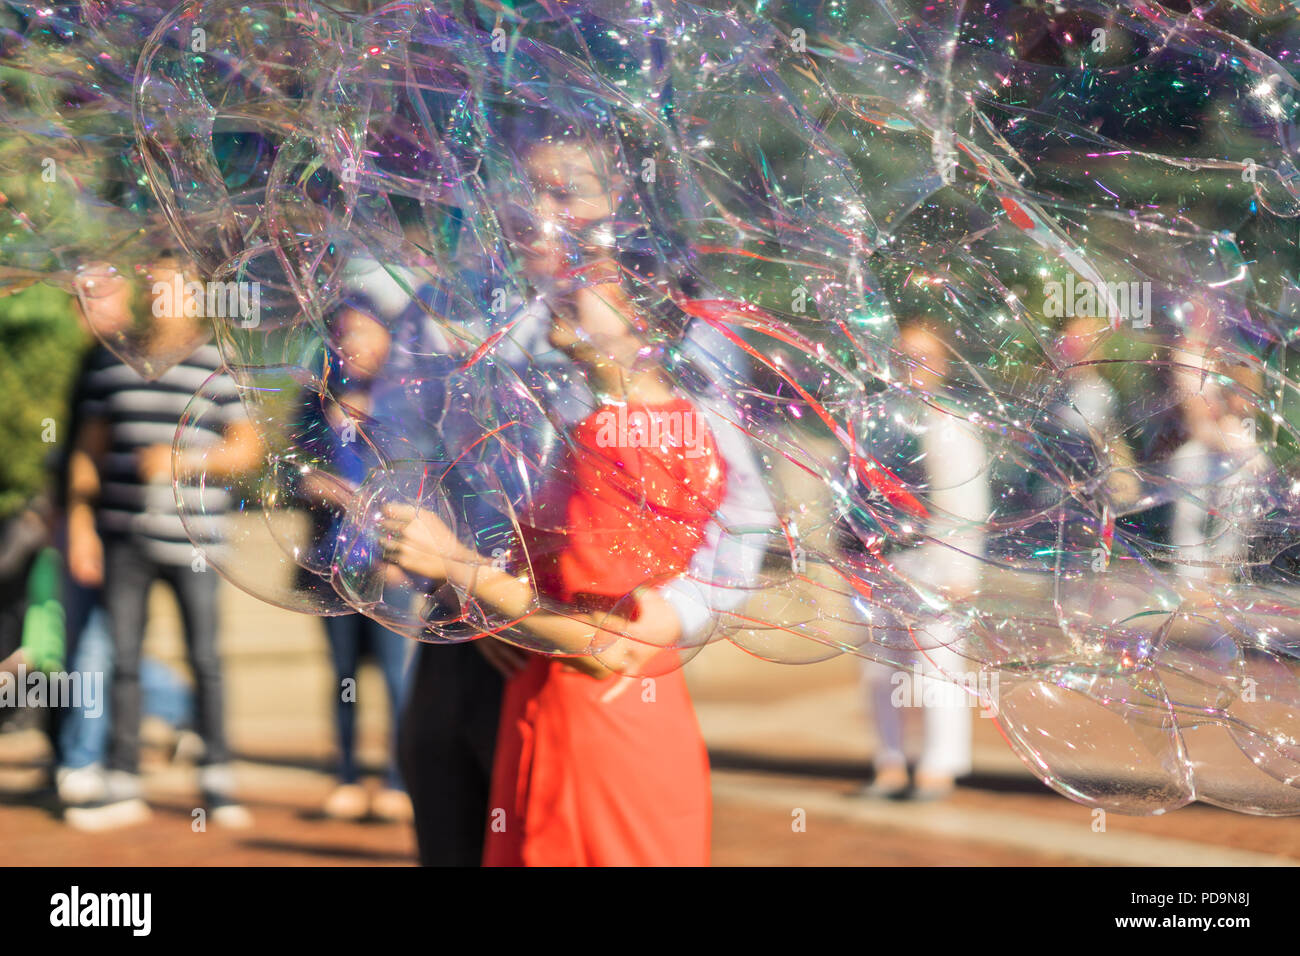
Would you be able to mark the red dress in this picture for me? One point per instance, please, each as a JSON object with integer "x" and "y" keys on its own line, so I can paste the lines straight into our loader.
{"x": 611, "y": 772}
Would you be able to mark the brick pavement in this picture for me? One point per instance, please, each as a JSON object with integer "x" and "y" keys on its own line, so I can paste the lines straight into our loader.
{"x": 786, "y": 737}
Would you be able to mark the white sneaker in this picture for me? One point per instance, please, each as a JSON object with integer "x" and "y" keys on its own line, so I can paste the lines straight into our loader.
{"x": 231, "y": 816}
{"x": 80, "y": 785}
{"x": 122, "y": 786}
{"x": 393, "y": 806}
{"x": 217, "y": 780}
{"x": 348, "y": 801}
{"x": 107, "y": 816}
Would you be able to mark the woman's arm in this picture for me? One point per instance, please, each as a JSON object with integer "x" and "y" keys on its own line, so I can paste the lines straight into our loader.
{"x": 626, "y": 646}
{"x": 514, "y": 598}
{"x": 424, "y": 545}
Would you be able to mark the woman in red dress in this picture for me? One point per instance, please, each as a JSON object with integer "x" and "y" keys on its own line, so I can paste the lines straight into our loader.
{"x": 599, "y": 769}
{"x": 594, "y": 767}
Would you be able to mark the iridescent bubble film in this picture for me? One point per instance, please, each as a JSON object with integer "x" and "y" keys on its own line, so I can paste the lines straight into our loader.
{"x": 842, "y": 328}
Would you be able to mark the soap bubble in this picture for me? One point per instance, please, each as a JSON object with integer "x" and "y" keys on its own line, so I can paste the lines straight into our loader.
{"x": 230, "y": 515}
{"x": 888, "y": 330}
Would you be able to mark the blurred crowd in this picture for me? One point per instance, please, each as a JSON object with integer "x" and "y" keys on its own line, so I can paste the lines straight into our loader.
{"x": 563, "y": 746}
{"x": 78, "y": 559}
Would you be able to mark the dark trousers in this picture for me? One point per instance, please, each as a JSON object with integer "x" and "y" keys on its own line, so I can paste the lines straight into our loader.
{"x": 128, "y": 573}
{"x": 350, "y": 635}
{"x": 447, "y": 741}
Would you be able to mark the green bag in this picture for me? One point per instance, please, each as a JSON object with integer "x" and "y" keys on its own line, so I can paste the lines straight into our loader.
{"x": 44, "y": 630}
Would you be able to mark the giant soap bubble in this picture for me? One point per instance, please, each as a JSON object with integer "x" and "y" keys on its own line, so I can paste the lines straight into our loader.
{"x": 875, "y": 328}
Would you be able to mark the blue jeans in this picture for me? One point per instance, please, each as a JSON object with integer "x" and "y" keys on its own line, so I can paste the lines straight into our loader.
{"x": 83, "y": 740}
{"x": 349, "y": 636}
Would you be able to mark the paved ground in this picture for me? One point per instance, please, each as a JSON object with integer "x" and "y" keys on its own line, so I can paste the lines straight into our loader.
{"x": 790, "y": 743}
{"x": 761, "y": 818}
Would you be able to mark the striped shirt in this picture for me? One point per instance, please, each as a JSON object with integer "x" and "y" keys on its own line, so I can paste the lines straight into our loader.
{"x": 140, "y": 414}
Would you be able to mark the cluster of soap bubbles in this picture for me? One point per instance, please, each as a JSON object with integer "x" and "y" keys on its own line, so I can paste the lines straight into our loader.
{"x": 973, "y": 317}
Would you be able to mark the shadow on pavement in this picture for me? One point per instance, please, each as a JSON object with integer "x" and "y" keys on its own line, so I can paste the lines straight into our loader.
{"x": 335, "y": 850}
{"x": 855, "y": 771}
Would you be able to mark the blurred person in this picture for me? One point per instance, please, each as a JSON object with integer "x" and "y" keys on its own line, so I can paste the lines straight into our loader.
{"x": 77, "y": 688}
{"x": 24, "y": 553}
{"x": 952, "y": 482}
{"x": 1217, "y": 469}
{"x": 1088, "y": 403}
{"x": 361, "y": 349}
{"x": 48, "y": 336}
{"x": 587, "y": 771}
{"x": 124, "y": 531}
{"x": 450, "y": 727}
{"x": 81, "y": 735}
{"x": 41, "y": 344}
{"x": 43, "y": 650}
{"x": 1089, "y": 407}
{"x": 33, "y": 619}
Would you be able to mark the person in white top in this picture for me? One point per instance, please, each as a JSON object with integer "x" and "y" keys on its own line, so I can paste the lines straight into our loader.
{"x": 953, "y": 484}
{"x": 1218, "y": 472}
{"x": 1089, "y": 404}
{"x": 1089, "y": 409}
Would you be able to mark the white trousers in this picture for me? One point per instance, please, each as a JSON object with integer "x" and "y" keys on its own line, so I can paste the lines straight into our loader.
{"x": 945, "y": 707}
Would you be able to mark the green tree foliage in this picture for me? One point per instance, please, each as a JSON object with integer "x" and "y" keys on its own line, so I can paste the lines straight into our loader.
{"x": 41, "y": 345}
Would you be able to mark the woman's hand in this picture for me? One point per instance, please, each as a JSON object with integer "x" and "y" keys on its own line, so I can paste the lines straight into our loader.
{"x": 627, "y": 647}
{"x": 509, "y": 661}
{"x": 629, "y": 658}
{"x": 658, "y": 625}
{"x": 422, "y": 543}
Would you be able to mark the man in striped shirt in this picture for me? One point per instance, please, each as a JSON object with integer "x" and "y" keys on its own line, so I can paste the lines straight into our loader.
{"x": 125, "y": 530}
